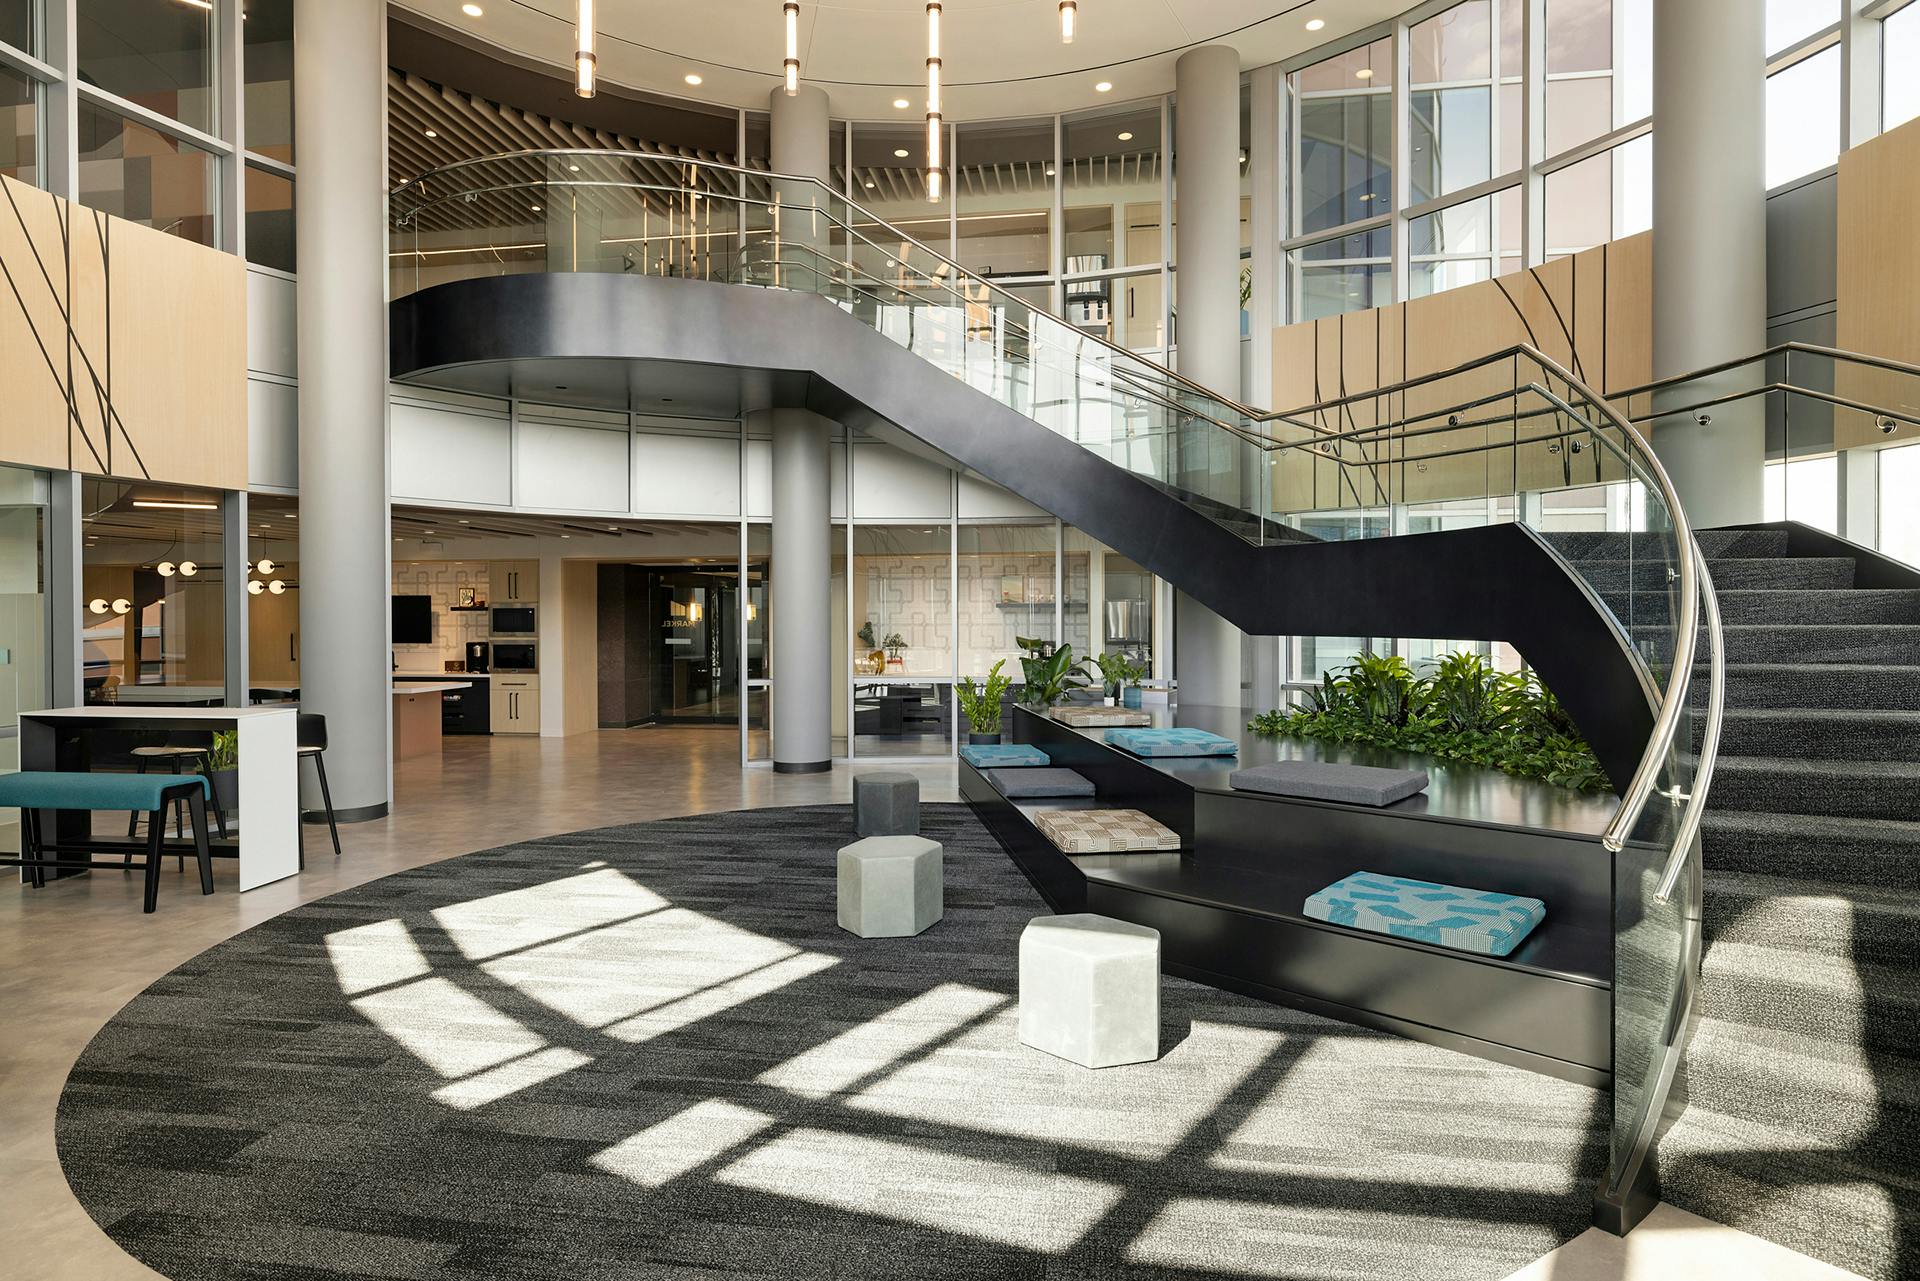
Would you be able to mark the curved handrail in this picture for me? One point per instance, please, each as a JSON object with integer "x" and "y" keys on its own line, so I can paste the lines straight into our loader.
{"x": 1811, "y": 349}
{"x": 768, "y": 175}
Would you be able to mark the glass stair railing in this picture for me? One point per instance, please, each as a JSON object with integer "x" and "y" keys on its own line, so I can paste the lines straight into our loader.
{"x": 1509, "y": 437}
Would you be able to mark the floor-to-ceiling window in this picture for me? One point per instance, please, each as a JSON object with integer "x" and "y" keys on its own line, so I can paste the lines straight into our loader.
{"x": 152, "y": 594}
{"x": 1900, "y": 67}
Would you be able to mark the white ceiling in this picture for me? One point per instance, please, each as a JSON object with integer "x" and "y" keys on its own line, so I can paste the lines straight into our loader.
{"x": 1002, "y": 58}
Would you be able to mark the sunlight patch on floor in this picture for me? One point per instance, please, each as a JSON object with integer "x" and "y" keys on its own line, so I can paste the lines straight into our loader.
{"x": 1050, "y": 1100}
{"x": 497, "y": 1083}
{"x": 683, "y": 1142}
{"x": 515, "y": 919}
{"x": 377, "y": 955}
{"x": 450, "y": 1030}
{"x": 674, "y": 1015}
{"x": 603, "y": 976}
{"x": 1020, "y": 1206}
{"x": 873, "y": 1046}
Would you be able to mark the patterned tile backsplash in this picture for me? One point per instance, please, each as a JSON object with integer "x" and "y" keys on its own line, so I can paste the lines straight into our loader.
{"x": 442, "y": 580}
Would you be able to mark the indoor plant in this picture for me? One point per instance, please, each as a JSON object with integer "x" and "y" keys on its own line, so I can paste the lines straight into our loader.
{"x": 1113, "y": 667}
{"x": 980, "y": 703}
{"x": 1132, "y": 672}
{"x": 222, "y": 769}
{"x": 1050, "y": 673}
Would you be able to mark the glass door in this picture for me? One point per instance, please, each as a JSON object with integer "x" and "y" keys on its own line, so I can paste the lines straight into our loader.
{"x": 24, "y": 675}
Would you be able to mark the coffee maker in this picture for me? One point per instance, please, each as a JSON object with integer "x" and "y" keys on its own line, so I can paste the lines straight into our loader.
{"x": 479, "y": 656}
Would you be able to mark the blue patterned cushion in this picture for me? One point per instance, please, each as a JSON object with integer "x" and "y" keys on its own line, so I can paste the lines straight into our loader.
{"x": 1003, "y": 755}
{"x": 1171, "y": 742}
{"x": 1447, "y": 915}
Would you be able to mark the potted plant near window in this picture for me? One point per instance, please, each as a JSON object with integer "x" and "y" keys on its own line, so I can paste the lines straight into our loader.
{"x": 893, "y": 644}
{"x": 980, "y": 704}
{"x": 1050, "y": 673}
{"x": 222, "y": 769}
{"x": 1132, "y": 672}
{"x": 1113, "y": 675}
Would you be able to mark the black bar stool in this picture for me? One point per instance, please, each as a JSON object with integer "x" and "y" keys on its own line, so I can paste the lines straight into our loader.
{"x": 311, "y": 735}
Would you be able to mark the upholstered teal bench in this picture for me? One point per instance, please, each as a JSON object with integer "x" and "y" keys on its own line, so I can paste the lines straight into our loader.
{"x": 34, "y": 791}
{"x": 1449, "y": 916}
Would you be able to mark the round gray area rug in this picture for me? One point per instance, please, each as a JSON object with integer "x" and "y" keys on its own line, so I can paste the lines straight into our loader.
{"x": 649, "y": 1051}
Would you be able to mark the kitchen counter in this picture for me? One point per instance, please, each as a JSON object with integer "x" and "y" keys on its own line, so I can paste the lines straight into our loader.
{"x": 440, "y": 676}
{"x": 417, "y": 714}
{"x": 424, "y": 685}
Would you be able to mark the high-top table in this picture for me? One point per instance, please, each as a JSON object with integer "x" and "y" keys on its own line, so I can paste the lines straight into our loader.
{"x": 267, "y": 843}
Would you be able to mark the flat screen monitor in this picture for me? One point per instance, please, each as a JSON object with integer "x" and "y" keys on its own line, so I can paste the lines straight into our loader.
{"x": 412, "y": 620}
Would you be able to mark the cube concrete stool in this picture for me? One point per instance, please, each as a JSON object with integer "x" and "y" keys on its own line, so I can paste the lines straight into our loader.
{"x": 890, "y": 886}
{"x": 886, "y": 803}
{"x": 1090, "y": 989}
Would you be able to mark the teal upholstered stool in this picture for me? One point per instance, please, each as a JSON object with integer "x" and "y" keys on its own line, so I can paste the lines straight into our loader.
{"x": 36, "y": 790}
{"x": 1171, "y": 742}
{"x": 1451, "y": 916}
{"x": 1003, "y": 755}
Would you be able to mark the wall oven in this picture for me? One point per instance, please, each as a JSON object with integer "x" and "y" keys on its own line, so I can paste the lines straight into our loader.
{"x": 512, "y": 656}
{"x": 513, "y": 620}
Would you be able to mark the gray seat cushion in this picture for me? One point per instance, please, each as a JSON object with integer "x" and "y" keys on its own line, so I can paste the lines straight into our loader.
{"x": 1328, "y": 781}
{"x": 1017, "y": 783}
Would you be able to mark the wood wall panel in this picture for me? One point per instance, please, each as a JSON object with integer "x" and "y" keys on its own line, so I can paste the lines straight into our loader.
{"x": 1879, "y": 279}
{"x": 122, "y": 349}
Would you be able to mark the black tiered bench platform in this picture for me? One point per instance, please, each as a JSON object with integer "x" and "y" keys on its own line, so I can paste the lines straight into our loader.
{"x": 1229, "y": 904}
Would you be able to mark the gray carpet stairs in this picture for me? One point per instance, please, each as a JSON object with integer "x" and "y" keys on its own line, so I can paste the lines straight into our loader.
{"x": 1802, "y": 1083}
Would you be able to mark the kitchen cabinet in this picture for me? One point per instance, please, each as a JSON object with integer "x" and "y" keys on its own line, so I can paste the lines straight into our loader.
{"x": 514, "y": 582}
{"x": 515, "y": 704}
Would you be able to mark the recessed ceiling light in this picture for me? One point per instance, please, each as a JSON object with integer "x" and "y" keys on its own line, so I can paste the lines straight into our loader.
{"x": 1314, "y": 24}
{"x": 1126, "y": 135}
{"x": 901, "y": 104}
{"x": 692, "y": 79}
{"x": 1103, "y": 87}
{"x": 1365, "y": 73}
{"x": 472, "y": 10}
{"x": 433, "y": 133}
{"x": 901, "y": 152}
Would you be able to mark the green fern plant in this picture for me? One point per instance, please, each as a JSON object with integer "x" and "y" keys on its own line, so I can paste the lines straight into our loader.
{"x": 980, "y": 703}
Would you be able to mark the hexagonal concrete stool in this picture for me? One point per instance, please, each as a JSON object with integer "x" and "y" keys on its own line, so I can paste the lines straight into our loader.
{"x": 891, "y": 886}
{"x": 886, "y": 803}
{"x": 1090, "y": 989}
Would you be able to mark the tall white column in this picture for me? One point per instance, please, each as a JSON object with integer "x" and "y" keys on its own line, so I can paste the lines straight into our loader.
{"x": 1710, "y": 244}
{"x": 1206, "y": 148}
{"x": 802, "y": 565}
{"x": 340, "y": 96}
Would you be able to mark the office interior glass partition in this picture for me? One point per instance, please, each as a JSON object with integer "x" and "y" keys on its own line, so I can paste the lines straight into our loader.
{"x": 135, "y": 172}
{"x": 273, "y": 598}
{"x": 19, "y": 126}
{"x": 24, "y": 666}
{"x": 901, "y": 602}
{"x": 158, "y": 56}
{"x": 152, "y": 608}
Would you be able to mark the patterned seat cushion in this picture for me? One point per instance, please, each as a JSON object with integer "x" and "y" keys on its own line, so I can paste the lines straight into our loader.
{"x": 1029, "y": 783}
{"x": 1105, "y": 831}
{"x": 1171, "y": 742}
{"x": 1099, "y": 717}
{"x": 1447, "y": 915}
{"x": 1003, "y": 755}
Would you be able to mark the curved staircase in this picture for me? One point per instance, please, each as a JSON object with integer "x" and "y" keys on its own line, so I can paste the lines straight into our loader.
{"x": 1801, "y": 1087}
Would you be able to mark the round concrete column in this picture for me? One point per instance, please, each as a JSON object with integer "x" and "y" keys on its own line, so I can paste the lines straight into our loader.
{"x": 340, "y": 98}
{"x": 1206, "y": 148}
{"x": 1710, "y": 244}
{"x": 799, "y": 133}
{"x": 802, "y": 567}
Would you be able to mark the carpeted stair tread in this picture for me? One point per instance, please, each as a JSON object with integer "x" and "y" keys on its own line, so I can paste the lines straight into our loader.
{"x": 1769, "y": 1183}
{"x": 1593, "y": 545}
{"x": 1846, "y": 643}
{"x": 1797, "y": 573}
{"x": 1817, "y": 734}
{"x": 1784, "y": 785}
{"x": 1848, "y": 922}
{"x": 1830, "y": 686}
{"x": 1858, "y": 606}
{"x": 1825, "y": 849}
{"x": 1822, "y": 997}
{"x": 1867, "y": 1105}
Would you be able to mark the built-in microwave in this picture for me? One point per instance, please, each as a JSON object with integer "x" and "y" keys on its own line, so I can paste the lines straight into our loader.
{"x": 513, "y": 620}
{"x": 513, "y": 656}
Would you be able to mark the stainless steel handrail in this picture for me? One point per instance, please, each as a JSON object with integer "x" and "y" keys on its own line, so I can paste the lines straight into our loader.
{"x": 1811, "y": 349}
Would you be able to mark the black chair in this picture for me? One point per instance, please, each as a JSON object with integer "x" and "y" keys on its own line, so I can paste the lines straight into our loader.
{"x": 311, "y": 735}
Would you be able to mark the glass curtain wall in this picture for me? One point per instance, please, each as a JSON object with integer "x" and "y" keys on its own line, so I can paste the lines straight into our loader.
{"x": 1900, "y": 67}
{"x": 272, "y": 575}
{"x": 153, "y": 609}
{"x": 24, "y": 623}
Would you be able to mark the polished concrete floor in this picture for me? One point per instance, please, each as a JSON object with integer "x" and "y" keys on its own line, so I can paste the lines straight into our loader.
{"x": 72, "y": 955}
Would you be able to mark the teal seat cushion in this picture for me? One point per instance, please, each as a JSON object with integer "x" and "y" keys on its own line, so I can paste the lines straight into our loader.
{"x": 1003, "y": 755}
{"x": 47, "y": 790}
{"x": 1171, "y": 742}
{"x": 1452, "y": 916}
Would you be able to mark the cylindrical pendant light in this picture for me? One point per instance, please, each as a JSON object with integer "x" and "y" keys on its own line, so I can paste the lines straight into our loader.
{"x": 1067, "y": 9}
{"x": 586, "y": 67}
{"x": 792, "y": 11}
{"x": 936, "y": 168}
